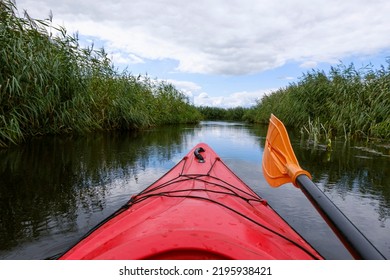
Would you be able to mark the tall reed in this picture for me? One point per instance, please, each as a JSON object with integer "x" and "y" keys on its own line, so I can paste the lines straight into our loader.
{"x": 49, "y": 84}
{"x": 217, "y": 113}
{"x": 346, "y": 101}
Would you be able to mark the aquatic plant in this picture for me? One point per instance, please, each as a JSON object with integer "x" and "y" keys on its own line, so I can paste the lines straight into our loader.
{"x": 345, "y": 102}
{"x": 217, "y": 113}
{"x": 49, "y": 84}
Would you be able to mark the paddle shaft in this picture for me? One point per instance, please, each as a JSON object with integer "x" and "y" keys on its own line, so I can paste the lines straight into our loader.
{"x": 355, "y": 242}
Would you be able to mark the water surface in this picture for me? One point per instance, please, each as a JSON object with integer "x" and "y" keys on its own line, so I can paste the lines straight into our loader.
{"x": 54, "y": 189}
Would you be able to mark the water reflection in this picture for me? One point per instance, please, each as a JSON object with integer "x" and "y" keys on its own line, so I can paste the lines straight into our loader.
{"x": 347, "y": 169}
{"x": 357, "y": 181}
{"x": 54, "y": 189}
{"x": 54, "y": 185}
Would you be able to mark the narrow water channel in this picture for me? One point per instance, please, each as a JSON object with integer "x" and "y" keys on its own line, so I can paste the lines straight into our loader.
{"x": 54, "y": 189}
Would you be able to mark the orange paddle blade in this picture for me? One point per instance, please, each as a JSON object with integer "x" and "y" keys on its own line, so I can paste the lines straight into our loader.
{"x": 280, "y": 166}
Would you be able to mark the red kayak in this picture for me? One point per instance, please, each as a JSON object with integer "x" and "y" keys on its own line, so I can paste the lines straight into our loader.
{"x": 198, "y": 210}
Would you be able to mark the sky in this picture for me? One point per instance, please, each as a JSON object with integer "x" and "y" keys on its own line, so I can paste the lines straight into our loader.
{"x": 226, "y": 53}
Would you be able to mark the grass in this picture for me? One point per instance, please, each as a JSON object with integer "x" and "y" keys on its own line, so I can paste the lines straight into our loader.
{"x": 216, "y": 113}
{"x": 49, "y": 84}
{"x": 346, "y": 102}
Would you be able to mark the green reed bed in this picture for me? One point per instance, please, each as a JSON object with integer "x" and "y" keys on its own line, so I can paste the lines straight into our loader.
{"x": 217, "y": 113}
{"x": 346, "y": 102}
{"x": 49, "y": 84}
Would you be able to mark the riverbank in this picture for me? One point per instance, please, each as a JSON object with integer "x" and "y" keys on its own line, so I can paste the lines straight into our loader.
{"x": 49, "y": 84}
{"x": 346, "y": 102}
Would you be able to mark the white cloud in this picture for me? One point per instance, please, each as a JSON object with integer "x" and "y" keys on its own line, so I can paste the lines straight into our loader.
{"x": 201, "y": 98}
{"x": 308, "y": 64}
{"x": 234, "y": 37}
{"x": 185, "y": 85}
{"x": 237, "y": 99}
{"x": 125, "y": 58}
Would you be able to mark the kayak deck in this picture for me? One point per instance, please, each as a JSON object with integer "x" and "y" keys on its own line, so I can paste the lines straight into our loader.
{"x": 198, "y": 210}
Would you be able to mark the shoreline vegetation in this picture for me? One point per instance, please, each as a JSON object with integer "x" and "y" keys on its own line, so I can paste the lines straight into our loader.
{"x": 49, "y": 84}
{"x": 345, "y": 103}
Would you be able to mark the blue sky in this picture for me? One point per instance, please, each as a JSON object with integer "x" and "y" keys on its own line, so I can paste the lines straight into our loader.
{"x": 227, "y": 53}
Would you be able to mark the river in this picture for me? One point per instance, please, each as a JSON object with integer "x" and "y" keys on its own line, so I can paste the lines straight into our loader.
{"x": 54, "y": 189}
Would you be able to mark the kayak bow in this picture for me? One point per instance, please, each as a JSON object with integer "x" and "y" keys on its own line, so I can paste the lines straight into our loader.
{"x": 198, "y": 210}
